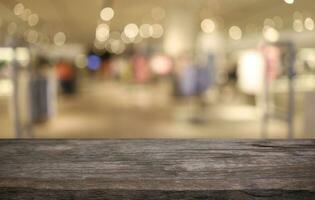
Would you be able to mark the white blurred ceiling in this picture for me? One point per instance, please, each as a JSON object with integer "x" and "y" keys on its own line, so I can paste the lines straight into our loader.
{"x": 78, "y": 18}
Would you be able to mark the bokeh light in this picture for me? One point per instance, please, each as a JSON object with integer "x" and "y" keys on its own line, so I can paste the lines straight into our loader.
{"x": 235, "y": 33}
{"x": 208, "y": 26}
{"x": 131, "y": 30}
{"x": 107, "y": 14}
{"x": 157, "y": 30}
{"x": 102, "y": 32}
{"x": 33, "y": 20}
{"x": 18, "y": 9}
{"x": 60, "y": 38}
{"x": 270, "y": 34}
{"x": 94, "y": 62}
{"x": 146, "y": 30}
{"x": 309, "y": 24}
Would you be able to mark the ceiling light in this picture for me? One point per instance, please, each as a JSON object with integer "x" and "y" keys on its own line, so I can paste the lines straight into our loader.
{"x": 309, "y": 24}
{"x": 146, "y": 30}
{"x": 107, "y": 14}
{"x": 60, "y": 38}
{"x": 270, "y": 34}
{"x": 289, "y": 1}
{"x": 157, "y": 31}
{"x": 102, "y": 32}
{"x": 298, "y": 25}
{"x": 208, "y": 26}
{"x": 18, "y": 9}
{"x": 33, "y": 20}
{"x": 235, "y": 33}
{"x": 131, "y": 30}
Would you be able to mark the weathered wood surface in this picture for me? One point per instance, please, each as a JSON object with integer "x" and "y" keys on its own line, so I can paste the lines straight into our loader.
{"x": 157, "y": 169}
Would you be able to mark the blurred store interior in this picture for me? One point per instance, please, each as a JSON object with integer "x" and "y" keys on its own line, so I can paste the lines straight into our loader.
{"x": 221, "y": 69}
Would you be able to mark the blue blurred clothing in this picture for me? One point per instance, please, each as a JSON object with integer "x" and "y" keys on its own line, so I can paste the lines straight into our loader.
{"x": 197, "y": 79}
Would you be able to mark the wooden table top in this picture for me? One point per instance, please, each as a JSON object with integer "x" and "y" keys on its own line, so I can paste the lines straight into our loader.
{"x": 138, "y": 169}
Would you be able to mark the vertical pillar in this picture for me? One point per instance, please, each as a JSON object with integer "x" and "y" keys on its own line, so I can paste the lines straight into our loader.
{"x": 15, "y": 98}
{"x": 180, "y": 30}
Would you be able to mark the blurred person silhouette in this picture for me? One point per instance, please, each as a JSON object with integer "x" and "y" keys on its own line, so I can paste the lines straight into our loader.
{"x": 191, "y": 81}
{"x": 43, "y": 90}
{"x": 67, "y": 77}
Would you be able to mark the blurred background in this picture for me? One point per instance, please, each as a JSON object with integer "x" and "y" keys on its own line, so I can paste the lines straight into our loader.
{"x": 157, "y": 69}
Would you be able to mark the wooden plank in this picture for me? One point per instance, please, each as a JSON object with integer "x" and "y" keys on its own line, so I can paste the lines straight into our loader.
{"x": 157, "y": 169}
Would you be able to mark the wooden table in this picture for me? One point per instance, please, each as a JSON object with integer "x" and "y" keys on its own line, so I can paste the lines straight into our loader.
{"x": 157, "y": 169}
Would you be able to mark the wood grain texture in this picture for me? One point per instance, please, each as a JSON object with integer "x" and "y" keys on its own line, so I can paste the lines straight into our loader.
{"x": 157, "y": 169}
